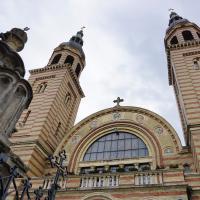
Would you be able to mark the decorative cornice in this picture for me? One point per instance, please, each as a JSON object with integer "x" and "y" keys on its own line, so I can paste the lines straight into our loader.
{"x": 184, "y": 44}
{"x": 47, "y": 68}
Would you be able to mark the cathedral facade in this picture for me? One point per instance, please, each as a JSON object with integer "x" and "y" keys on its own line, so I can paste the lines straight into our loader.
{"x": 122, "y": 152}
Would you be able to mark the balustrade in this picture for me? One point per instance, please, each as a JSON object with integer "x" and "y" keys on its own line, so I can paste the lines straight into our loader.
{"x": 148, "y": 178}
{"x": 99, "y": 181}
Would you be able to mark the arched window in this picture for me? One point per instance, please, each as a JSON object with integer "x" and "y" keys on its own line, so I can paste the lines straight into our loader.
{"x": 78, "y": 69}
{"x": 117, "y": 145}
{"x": 196, "y": 64}
{"x": 69, "y": 60}
{"x": 67, "y": 98}
{"x": 187, "y": 35}
{"x": 56, "y": 59}
{"x": 41, "y": 87}
{"x": 186, "y": 168}
{"x": 174, "y": 40}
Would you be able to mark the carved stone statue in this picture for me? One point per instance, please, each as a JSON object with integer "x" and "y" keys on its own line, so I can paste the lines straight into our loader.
{"x": 15, "y": 91}
{"x": 15, "y": 96}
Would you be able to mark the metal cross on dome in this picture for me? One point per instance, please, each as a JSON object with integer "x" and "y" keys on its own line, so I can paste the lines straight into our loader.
{"x": 171, "y": 10}
{"x": 118, "y": 100}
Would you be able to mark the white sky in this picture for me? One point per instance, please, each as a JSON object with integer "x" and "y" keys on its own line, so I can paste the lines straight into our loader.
{"x": 123, "y": 43}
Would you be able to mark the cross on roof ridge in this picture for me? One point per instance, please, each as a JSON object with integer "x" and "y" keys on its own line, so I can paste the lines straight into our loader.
{"x": 118, "y": 100}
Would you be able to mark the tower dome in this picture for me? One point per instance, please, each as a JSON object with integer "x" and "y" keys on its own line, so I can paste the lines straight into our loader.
{"x": 175, "y": 19}
{"x": 76, "y": 42}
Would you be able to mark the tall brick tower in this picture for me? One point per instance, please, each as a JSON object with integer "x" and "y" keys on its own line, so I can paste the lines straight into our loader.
{"x": 182, "y": 43}
{"x": 56, "y": 98}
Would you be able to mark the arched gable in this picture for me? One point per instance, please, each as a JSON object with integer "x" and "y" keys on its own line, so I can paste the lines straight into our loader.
{"x": 156, "y": 132}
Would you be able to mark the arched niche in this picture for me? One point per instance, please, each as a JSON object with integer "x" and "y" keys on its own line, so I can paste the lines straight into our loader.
{"x": 56, "y": 59}
{"x": 14, "y": 98}
{"x": 174, "y": 40}
{"x": 6, "y": 83}
{"x": 69, "y": 60}
{"x": 187, "y": 35}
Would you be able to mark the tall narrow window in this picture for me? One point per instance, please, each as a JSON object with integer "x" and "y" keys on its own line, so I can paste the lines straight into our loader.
{"x": 78, "y": 70}
{"x": 67, "y": 98}
{"x": 196, "y": 64}
{"x": 26, "y": 116}
{"x": 187, "y": 35}
{"x": 44, "y": 87}
{"x": 69, "y": 60}
{"x": 56, "y": 59}
{"x": 41, "y": 87}
{"x": 174, "y": 40}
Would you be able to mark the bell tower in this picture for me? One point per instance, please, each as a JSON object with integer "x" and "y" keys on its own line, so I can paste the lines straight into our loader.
{"x": 56, "y": 97}
{"x": 182, "y": 44}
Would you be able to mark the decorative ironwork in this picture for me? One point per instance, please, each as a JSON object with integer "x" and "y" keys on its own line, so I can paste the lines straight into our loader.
{"x": 27, "y": 186}
{"x": 5, "y": 184}
{"x": 39, "y": 193}
{"x": 56, "y": 161}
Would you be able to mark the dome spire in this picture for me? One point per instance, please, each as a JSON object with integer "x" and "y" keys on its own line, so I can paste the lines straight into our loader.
{"x": 175, "y": 18}
{"x": 78, "y": 38}
{"x": 75, "y": 42}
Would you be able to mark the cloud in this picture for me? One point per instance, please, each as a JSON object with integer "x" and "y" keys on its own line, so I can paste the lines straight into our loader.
{"x": 123, "y": 43}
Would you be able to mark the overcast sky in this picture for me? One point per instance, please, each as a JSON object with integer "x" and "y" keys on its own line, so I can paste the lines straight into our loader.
{"x": 123, "y": 44}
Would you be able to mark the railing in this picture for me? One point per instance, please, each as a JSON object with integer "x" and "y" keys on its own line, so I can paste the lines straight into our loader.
{"x": 99, "y": 181}
{"x": 148, "y": 178}
{"x": 108, "y": 180}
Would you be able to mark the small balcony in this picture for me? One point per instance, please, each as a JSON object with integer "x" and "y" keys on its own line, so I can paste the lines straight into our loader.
{"x": 107, "y": 180}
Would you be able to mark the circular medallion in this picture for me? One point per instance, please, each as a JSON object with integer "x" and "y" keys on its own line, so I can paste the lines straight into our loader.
{"x": 140, "y": 118}
{"x": 116, "y": 116}
{"x": 158, "y": 130}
